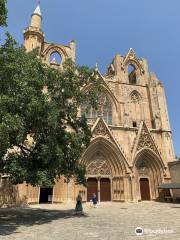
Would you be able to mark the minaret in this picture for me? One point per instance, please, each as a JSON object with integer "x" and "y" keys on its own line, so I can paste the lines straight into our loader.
{"x": 33, "y": 35}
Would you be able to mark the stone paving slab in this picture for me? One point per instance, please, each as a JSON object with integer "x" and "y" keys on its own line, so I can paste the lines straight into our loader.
{"x": 110, "y": 221}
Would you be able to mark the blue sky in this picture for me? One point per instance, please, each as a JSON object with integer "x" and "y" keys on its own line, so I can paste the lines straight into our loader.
{"x": 104, "y": 28}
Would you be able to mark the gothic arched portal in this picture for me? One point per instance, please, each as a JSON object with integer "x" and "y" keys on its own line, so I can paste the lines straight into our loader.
{"x": 104, "y": 163}
{"x": 148, "y": 173}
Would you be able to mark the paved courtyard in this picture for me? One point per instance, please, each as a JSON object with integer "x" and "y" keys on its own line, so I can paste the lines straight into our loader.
{"x": 110, "y": 221}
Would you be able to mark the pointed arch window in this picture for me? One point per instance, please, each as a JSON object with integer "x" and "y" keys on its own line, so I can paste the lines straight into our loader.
{"x": 132, "y": 74}
{"x": 136, "y": 110}
{"x": 104, "y": 110}
{"x": 135, "y": 97}
{"x": 55, "y": 58}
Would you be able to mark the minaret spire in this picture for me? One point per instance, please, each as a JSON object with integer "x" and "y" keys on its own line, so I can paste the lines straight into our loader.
{"x": 36, "y": 17}
{"x": 33, "y": 35}
{"x": 38, "y": 9}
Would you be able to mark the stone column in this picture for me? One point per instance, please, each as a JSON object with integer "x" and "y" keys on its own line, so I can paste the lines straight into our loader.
{"x": 111, "y": 184}
{"x": 127, "y": 189}
{"x": 131, "y": 182}
{"x": 99, "y": 189}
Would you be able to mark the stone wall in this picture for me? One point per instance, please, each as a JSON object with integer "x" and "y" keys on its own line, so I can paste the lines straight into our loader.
{"x": 174, "y": 168}
{"x": 8, "y": 193}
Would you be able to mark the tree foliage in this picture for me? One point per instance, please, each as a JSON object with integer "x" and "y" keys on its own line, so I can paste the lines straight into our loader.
{"x": 41, "y": 136}
{"x": 3, "y": 12}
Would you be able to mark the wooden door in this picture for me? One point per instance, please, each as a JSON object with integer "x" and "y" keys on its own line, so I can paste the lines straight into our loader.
{"x": 105, "y": 189}
{"x": 144, "y": 188}
{"x": 92, "y": 187}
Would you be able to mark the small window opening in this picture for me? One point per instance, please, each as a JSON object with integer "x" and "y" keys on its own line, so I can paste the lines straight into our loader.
{"x": 167, "y": 136}
{"x": 55, "y": 58}
{"x": 153, "y": 124}
{"x": 134, "y": 124}
{"x": 132, "y": 74}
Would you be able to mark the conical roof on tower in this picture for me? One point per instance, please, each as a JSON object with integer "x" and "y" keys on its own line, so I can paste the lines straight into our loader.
{"x": 37, "y": 10}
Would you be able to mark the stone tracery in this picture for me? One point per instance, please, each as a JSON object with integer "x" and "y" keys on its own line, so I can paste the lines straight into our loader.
{"x": 100, "y": 129}
{"x": 98, "y": 166}
{"x": 146, "y": 141}
{"x": 104, "y": 110}
{"x": 135, "y": 97}
{"x": 132, "y": 59}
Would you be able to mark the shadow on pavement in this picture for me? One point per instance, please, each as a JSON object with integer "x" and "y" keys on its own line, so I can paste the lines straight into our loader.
{"x": 11, "y": 219}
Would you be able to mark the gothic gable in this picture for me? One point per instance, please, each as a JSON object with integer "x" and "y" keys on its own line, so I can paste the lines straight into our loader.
{"x": 131, "y": 58}
{"x": 104, "y": 86}
{"x": 144, "y": 140}
{"x": 101, "y": 129}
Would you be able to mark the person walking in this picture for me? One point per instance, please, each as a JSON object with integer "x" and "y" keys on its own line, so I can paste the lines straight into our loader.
{"x": 94, "y": 200}
{"x": 79, "y": 208}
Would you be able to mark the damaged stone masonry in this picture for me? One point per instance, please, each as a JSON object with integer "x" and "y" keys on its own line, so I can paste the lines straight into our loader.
{"x": 131, "y": 142}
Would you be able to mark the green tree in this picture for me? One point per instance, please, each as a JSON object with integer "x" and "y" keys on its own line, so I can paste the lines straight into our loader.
{"x": 41, "y": 103}
{"x": 3, "y": 12}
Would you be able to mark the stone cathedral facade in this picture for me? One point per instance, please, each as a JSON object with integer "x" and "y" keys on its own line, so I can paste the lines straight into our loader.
{"x": 131, "y": 137}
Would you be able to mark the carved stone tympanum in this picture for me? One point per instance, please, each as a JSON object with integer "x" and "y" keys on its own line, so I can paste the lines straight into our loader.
{"x": 98, "y": 166}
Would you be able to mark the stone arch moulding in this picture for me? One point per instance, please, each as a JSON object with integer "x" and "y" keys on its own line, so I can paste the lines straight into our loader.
{"x": 115, "y": 160}
{"x": 131, "y": 59}
{"x": 150, "y": 154}
{"x": 135, "y": 63}
{"x": 100, "y": 130}
{"x": 136, "y": 107}
{"x": 135, "y": 94}
{"x": 110, "y": 95}
{"x": 107, "y": 91}
{"x": 148, "y": 164}
{"x": 144, "y": 140}
{"x": 53, "y": 49}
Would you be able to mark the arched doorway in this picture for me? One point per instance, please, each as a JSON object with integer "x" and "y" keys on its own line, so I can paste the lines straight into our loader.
{"x": 148, "y": 175}
{"x": 144, "y": 189}
{"x": 45, "y": 195}
{"x": 100, "y": 184}
{"x": 103, "y": 161}
{"x": 92, "y": 187}
{"x": 105, "y": 189}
